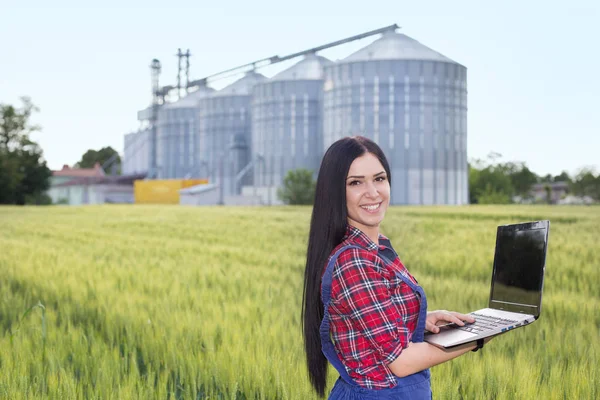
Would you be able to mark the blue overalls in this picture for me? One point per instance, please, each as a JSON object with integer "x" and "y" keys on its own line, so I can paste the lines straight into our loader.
{"x": 415, "y": 387}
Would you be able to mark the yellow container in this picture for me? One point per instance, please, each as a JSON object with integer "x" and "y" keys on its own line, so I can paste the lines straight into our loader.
{"x": 162, "y": 191}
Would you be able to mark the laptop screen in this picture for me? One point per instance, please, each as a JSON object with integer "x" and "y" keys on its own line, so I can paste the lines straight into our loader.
{"x": 519, "y": 263}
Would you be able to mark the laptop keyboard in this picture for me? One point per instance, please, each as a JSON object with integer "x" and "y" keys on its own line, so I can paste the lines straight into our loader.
{"x": 484, "y": 323}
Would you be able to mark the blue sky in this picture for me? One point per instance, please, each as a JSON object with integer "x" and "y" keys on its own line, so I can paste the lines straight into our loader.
{"x": 533, "y": 66}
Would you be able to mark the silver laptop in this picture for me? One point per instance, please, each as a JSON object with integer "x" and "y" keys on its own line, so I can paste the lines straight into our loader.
{"x": 517, "y": 283}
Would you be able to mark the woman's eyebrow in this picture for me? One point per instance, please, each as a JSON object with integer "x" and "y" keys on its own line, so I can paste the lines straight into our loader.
{"x": 362, "y": 176}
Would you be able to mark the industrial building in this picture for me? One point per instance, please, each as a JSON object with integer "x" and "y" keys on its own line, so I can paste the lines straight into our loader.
{"x": 287, "y": 121}
{"x": 177, "y": 151}
{"x": 244, "y": 138}
{"x": 412, "y": 101}
{"x": 225, "y": 132}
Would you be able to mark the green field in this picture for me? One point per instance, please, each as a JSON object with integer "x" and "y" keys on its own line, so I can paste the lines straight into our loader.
{"x": 204, "y": 303}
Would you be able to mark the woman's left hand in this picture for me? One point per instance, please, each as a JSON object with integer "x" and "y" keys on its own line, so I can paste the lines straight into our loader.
{"x": 435, "y": 317}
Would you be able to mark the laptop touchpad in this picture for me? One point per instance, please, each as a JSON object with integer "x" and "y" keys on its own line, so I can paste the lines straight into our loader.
{"x": 449, "y": 337}
{"x": 457, "y": 335}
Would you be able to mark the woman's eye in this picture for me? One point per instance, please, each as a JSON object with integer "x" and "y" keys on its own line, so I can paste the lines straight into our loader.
{"x": 380, "y": 178}
{"x": 353, "y": 183}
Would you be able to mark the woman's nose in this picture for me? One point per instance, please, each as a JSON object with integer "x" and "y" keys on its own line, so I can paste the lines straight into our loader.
{"x": 371, "y": 190}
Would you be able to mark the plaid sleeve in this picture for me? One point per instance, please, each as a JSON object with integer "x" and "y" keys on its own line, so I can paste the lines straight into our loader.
{"x": 365, "y": 295}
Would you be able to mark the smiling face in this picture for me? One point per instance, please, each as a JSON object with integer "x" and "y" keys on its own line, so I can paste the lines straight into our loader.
{"x": 367, "y": 194}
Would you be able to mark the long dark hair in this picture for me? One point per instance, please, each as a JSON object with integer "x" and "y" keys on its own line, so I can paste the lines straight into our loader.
{"x": 327, "y": 229}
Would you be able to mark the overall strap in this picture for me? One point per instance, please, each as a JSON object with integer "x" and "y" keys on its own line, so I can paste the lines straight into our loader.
{"x": 326, "y": 343}
{"x": 419, "y": 333}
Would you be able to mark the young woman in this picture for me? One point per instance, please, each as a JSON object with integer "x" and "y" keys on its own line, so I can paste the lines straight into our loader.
{"x": 362, "y": 310}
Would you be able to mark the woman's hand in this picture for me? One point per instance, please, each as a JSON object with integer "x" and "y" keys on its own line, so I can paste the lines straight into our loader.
{"x": 434, "y": 318}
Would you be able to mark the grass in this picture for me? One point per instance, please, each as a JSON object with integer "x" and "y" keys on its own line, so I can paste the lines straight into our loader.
{"x": 161, "y": 302}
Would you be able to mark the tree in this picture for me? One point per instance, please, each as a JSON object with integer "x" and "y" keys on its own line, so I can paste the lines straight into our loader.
{"x": 298, "y": 187}
{"x": 495, "y": 182}
{"x": 24, "y": 175}
{"x": 548, "y": 191}
{"x": 563, "y": 177}
{"x": 491, "y": 195}
{"x": 521, "y": 177}
{"x": 489, "y": 185}
{"x": 91, "y": 157}
{"x": 547, "y": 179}
{"x": 586, "y": 183}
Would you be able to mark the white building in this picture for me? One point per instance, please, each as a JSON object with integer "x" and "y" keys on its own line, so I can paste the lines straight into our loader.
{"x": 76, "y": 186}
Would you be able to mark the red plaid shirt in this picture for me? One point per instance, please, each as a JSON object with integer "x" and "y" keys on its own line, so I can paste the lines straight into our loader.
{"x": 373, "y": 313}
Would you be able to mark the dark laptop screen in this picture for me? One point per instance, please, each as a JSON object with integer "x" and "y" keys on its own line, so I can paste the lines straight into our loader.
{"x": 519, "y": 267}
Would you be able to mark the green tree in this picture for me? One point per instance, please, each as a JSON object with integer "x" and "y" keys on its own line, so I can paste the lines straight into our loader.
{"x": 24, "y": 175}
{"x": 489, "y": 184}
{"x": 491, "y": 195}
{"x": 521, "y": 178}
{"x": 548, "y": 191}
{"x": 563, "y": 177}
{"x": 586, "y": 183}
{"x": 298, "y": 187}
{"x": 91, "y": 157}
{"x": 495, "y": 182}
{"x": 548, "y": 178}
{"x": 10, "y": 176}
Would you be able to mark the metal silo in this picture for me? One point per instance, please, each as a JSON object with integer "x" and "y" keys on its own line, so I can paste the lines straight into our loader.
{"x": 177, "y": 136}
{"x": 412, "y": 101}
{"x": 137, "y": 147}
{"x": 136, "y": 152}
{"x": 225, "y": 133}
{"x": 287, "y": 121}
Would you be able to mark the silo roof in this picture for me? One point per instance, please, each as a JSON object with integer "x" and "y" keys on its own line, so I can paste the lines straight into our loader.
{"x": 191, "y": 100}
{"x": 243, "y": 86}
{"x": 310, "y": 68}
{"x": 396, "y": 46}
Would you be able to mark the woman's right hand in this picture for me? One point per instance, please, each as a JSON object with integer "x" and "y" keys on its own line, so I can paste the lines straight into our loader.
{"x": 435, "y": 318}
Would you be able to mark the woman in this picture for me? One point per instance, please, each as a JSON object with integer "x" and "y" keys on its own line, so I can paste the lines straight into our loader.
{"x": 362, "y": 310}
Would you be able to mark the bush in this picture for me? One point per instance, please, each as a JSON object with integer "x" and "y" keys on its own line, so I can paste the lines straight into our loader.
{"x": 298, "y": 188}
{"x": 38, "y": 199}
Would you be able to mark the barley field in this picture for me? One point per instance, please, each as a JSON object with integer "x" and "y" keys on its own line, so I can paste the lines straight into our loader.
{"x": 161, "y": 302}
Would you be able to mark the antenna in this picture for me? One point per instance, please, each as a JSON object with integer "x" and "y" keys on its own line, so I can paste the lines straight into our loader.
{"x": 179, "y": 57}
{"x": 156, "y": 100}
{"x": 187, "y": 70}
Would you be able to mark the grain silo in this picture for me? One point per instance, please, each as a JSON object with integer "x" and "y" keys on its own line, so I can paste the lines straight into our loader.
{"x": 412, "y": 101}
{"x": 136, "y": 152}
{"x": 225, "y": 133}
{"x": 177, "y": 137}
{"x": 287, "y": 121}
{"x": 137, "y": 146}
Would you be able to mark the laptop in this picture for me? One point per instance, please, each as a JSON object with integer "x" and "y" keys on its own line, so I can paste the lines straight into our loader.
{"x": 516, "y": 292}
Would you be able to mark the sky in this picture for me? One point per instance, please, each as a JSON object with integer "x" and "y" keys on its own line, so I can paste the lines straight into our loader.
{"x": 533, "y": 66}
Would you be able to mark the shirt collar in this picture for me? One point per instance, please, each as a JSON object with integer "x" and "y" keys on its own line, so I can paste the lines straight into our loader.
{"x": 357, "y": 236}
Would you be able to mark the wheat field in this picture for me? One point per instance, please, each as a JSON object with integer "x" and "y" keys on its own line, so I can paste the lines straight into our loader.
{"x": 169, "y": 302}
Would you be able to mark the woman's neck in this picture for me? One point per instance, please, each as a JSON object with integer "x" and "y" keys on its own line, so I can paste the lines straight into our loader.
{"x": 371, "y": 231}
